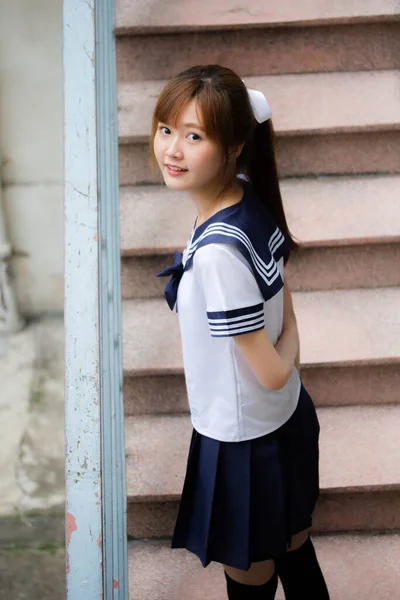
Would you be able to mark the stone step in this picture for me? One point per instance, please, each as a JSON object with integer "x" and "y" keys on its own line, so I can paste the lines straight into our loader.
{"x": 269, "y": 51}
{"x": 355, "y": 566}
{"x": 325, "y": 123}
{"x": 355, "y": 247}
{"x": 350, "y": 350}
{"x": 330, "y": 154}
{"x": 336, "y": 328}
{"x": 319, "y": 268}
{"x": 157, "y": 447}
{"x": 324, "y": 211}
{"x": 306, "y": 104}
{"x": 184, "y": 15}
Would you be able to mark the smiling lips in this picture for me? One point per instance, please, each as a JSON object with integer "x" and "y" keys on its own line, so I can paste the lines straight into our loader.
{"x": 173, "y": 170}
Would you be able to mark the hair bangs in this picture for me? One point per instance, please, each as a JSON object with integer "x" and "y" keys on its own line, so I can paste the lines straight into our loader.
{"x": 172, "y": 101}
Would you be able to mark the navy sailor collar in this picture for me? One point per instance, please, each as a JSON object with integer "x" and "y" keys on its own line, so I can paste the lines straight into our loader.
{"x": 247, "y": 225}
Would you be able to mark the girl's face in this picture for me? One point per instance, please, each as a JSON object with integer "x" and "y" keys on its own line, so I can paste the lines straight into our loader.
{"x": 186, "y": 146}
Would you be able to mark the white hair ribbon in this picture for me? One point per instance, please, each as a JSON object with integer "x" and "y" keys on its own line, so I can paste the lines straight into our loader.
{"x": 261, "y": 109}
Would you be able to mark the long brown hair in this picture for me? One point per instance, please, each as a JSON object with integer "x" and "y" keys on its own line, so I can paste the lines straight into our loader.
{"x": 228, "y": 119}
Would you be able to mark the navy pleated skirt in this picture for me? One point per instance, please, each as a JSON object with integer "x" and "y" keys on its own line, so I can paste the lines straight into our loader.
{"x": 243, "y": 501}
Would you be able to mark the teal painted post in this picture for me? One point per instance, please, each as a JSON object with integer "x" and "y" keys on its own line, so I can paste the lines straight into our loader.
{"x": 95, "y": 458}
{"x": 112, "y": 406}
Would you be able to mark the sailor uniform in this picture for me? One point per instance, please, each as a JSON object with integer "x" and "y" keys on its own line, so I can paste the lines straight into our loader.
{"x": 252, "y": 471}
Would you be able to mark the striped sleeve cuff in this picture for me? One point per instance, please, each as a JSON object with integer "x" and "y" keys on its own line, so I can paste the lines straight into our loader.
{"x": 236, "y": 322}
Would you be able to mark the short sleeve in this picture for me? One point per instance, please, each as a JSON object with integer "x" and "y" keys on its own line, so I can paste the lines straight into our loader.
{"x": 234, "y": 302}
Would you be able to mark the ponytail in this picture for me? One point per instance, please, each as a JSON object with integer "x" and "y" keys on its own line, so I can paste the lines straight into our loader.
{"x": 263, "y": 174}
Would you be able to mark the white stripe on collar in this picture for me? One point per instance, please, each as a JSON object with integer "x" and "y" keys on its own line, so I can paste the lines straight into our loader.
{"x": 268, "y": 272}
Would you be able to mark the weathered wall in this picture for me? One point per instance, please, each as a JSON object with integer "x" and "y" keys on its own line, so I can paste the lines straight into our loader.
{"x": 31, "y": 124}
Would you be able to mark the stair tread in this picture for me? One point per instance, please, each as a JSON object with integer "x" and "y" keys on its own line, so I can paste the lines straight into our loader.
{"x": 302, "y": 104}
{"x": 153, "y": 16}
{"x": 160, "y": 573}
{"x": 359, "y": 451}
{"x": 324, "y": 211}
{"x": 337, "y": 328}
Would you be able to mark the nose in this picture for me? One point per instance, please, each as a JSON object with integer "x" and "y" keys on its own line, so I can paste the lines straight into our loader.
{"x": 174, "y": 149}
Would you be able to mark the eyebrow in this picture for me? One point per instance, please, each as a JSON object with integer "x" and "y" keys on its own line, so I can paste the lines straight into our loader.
{"x": 195, "y": 125}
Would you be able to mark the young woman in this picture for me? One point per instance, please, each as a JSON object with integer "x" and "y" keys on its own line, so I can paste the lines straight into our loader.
{"x": 252, "y": 472}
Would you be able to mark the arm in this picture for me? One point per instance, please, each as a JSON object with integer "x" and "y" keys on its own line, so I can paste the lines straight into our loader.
{"x": 272, "y": 366}
{"x": 288, "y": 317}
{"x": 234, "y": 306}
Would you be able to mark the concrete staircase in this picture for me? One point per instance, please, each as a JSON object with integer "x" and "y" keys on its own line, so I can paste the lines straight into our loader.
{"x": 331, "y": 74}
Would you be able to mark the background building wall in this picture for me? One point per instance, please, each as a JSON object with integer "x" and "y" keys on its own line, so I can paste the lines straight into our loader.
{"x": 31, "y": 361}
{"x": 31, "y": 148}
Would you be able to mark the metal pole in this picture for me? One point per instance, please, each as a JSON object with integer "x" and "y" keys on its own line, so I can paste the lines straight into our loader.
{"x": 95, "y": 457}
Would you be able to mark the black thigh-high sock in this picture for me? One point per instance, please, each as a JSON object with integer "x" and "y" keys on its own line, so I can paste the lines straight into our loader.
{"x": 301, "y": 575}
{"x": 240, "y": 591}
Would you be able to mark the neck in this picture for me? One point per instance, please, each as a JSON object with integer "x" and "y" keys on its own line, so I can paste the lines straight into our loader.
{"x": 209, "y": 200}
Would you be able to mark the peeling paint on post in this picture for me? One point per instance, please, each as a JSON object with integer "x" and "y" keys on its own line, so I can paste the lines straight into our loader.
{"x": 96, "y": 564}
{"x": 70, "y": 527}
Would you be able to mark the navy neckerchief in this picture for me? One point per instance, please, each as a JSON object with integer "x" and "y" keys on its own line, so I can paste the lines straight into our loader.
{"x": 176, "y": 270}
{"x": 247, "y": 225}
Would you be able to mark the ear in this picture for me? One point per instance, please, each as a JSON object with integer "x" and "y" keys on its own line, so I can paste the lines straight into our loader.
{"x": 235, "y": 152}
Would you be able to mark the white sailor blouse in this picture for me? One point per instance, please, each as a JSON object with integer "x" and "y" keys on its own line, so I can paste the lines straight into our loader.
{"x": 229, "y": 281}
